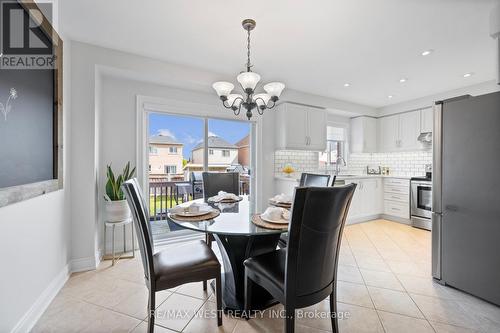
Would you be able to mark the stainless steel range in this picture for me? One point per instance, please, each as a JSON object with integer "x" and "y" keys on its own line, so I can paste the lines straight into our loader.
{"x": 421, "y": 200}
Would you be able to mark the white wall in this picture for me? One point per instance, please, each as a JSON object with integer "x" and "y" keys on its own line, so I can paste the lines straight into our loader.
{"x": 420, "y": 103}
{"x": 35, "y": 237}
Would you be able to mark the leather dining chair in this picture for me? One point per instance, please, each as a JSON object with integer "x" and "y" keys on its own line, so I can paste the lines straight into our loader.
{"x": 312, "y": 179}
{"x": 192, "y": 262}
{"x": 307, "y": 179}
{"x": 213, "y": 182}
{"x": 305, "y": 272}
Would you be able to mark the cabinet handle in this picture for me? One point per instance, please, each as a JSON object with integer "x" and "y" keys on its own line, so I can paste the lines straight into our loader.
{"x": 397, "y": 209}
{"x": 394, "y": 197}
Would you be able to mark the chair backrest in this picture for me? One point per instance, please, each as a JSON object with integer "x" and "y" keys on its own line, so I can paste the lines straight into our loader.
{"x": 311, "y": 179}
{"x": 213, "y": 182}
{"x": 140, "y": 215}
{"x": 196, "y": 176}
{"x": 318, "y": 218}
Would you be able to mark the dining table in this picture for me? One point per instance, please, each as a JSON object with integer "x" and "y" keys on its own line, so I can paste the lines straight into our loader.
{"x": 238, "y": 239}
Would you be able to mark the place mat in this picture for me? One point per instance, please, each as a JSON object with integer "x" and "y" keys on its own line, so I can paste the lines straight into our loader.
{"x": 225, "y": 200}
{"x": 280, "y": 204}
{"x": 213, "y": 214}
{"x": 261, "y": 223}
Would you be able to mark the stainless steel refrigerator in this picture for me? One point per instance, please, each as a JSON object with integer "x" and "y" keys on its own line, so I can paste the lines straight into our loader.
{"x": 466, "y": 195}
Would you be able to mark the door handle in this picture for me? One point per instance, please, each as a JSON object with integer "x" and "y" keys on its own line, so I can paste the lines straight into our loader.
{"x": 451, "y": 208}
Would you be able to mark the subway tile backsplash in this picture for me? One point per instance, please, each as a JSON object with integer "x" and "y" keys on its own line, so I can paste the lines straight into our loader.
{"x": 399, "y": 163}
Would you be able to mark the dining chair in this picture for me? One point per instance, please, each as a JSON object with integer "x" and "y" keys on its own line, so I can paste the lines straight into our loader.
{"x": 307, "y": 179}
{"x": 191, "y": 262}
{"x": 312, "y": 179}
{"x": 213, "y": 182}
{"x": 305, "y": 272}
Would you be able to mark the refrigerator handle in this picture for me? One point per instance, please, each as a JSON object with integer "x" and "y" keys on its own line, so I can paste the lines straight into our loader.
{"x": 437, "y": 158}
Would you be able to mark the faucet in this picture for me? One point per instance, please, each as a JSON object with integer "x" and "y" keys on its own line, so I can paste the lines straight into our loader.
{"x": 340, "y": 160}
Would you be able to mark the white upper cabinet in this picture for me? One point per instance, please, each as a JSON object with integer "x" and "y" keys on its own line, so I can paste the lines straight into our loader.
{"x": 409, "y": 130}
{"x": 389, "y": 133}
{"x": 363, "y": 135}
{"x": 400, "y": 132}
{"x": 300, "y": 127}
{"x": 426, "y": 120}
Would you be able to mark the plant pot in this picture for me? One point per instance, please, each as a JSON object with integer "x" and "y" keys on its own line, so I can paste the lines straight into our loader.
{"x": 117, "y": 211}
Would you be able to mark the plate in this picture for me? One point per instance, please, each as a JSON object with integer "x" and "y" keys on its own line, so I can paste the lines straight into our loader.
{"x": 280, "y": 221}
{"x": 194, "y": 214}
{"x": 280, "y": 204}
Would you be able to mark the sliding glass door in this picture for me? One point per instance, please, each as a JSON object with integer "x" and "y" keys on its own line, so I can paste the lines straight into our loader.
{"x": 180, "y": 148}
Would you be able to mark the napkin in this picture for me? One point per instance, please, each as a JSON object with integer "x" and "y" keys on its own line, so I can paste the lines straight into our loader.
{"x": 284, "y": 198}
{"x": 224, "y": 196}
{"x": 193, "y": 208}
{"x": 276, "y": 213}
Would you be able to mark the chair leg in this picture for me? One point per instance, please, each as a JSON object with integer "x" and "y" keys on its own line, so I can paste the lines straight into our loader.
{"x": 289, "y": 320}
{"x": 333, "y": 311}
{"x": 218, "y": 296}
{"x": 248, "y": 296}
{"x": 209, "y": 243}
{"x": 151, "y": 311}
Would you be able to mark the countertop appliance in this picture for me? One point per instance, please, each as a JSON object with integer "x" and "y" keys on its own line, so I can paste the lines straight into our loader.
{"x": 465, "y": 196}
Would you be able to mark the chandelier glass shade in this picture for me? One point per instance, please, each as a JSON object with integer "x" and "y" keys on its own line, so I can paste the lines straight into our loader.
{"x": 248, "y": 82}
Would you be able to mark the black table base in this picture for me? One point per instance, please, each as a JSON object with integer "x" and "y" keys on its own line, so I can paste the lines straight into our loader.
{"x": 234, "y": 251}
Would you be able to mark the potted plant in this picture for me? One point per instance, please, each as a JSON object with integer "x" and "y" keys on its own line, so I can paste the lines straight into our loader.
{"x": 117, "y": 208}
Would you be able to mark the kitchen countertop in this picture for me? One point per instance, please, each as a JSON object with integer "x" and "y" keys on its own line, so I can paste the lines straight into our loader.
{"x": 344, "y": 177}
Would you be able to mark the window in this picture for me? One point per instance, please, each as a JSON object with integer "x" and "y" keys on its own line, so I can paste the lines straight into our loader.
{"x": 210, "y": 152}
{"x": 153, "y": 150}
{"x": 225, "y": 153}
{"x": 335, "y": 146}
{"x": 172, "y": 150}
{"x": 170, "y": 169}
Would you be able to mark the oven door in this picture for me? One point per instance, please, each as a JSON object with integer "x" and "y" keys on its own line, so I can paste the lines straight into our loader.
{"x": 421, "y": 199}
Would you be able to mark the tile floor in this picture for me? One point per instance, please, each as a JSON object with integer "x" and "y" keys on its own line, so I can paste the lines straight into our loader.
{"x": 384, "y": 285}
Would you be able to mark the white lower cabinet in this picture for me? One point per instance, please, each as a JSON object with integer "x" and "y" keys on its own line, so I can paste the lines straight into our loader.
{"x": 397, "y": 197}
{"x": 367, "y": 199}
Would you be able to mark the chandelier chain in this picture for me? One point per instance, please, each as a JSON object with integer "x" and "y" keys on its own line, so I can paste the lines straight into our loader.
{"x": 249, "y": 65}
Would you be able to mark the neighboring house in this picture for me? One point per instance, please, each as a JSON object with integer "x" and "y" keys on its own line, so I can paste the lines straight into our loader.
{"x": 221, "y": 155}
{"x": 244, "y": 151}
{"x": 165, "y": 157}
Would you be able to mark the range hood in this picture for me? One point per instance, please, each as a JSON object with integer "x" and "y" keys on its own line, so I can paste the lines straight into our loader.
{"x": 425, "y": 138}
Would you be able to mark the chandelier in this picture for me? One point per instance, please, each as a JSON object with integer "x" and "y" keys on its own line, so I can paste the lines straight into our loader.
{"x": 248, "y": 82}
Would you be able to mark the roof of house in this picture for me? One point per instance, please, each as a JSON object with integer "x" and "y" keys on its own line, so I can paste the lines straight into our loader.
{"x": 216, "y": 142}
{"x": 163, "y": 139}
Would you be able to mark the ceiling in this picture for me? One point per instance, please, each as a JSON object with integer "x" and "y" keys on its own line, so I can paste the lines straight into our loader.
{"x": 312, "y": 46}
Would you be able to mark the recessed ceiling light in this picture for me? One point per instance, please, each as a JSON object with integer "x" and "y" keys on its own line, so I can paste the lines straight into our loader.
{"x": 390, "y": 96}
{"x": 468, "y": 74}
{"x": 347, "y": 84}
{"x": 427, "y": 52}
{"x": 403, "y": 80}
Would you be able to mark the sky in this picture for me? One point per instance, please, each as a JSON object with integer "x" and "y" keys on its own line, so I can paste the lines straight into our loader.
{"x": 189, "y": 130}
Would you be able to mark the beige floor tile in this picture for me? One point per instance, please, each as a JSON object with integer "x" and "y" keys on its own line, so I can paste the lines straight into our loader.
{"x": 394, "y": 301}
{"x": 136, "y": 304}
{"x": 423, "y": 286}
{"x": 395, "y": 323}
{"x": 66, "y": 314}
{"x": 381, "y": 279}
{"x": 445, "y": 328}
{"x": 407, "y": 267}
{"x": 372, "y": 264}
{"x": 488, "y": 314}
{"x": 445, "y": 311}
{"x": 353, "y": 293}
{"x": 358, "y": 319}
{"x": 176, "y": 312}
{"x": 205, "y": 321}
{"x": 349, "y": 274}
{"x": 347, "y": 259}
{"x": 195, "y": 289}
{"x": 143, "y": 328}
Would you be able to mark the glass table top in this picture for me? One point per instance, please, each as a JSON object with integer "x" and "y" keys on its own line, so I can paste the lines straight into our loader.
{"x": 234, "y": 219}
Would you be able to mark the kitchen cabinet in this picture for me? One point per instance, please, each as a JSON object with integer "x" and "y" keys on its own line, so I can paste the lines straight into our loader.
{"x": 300, "y": 127}
{"x": 363, "y": 135}
{"x": 426, "y": 120}
{"x": 397, "y": 197}
{"x": 367, "y": 199}
{"x": 400, "y": 132}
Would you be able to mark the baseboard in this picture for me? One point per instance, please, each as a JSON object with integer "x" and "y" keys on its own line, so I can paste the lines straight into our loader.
{"x": 43, "y": 301}
{"x": 376, "y": 217}
{"x": 395, "y": 219}
{"x": 84, "y": 264}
